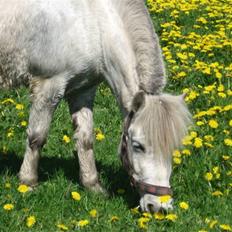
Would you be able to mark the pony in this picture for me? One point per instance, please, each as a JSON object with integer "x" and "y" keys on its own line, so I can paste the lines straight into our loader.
{"x": 63, "y": 49}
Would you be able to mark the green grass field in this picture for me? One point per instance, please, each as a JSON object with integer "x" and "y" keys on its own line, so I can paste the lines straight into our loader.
{"x": 196, "y": 38}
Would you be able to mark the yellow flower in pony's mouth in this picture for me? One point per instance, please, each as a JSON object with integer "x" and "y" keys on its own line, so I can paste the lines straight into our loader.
{"x": 76, "y": 196}
{"x": 23, "y": 188}
{"x": 165, "y": 198}
{"x": 31, "y": 221}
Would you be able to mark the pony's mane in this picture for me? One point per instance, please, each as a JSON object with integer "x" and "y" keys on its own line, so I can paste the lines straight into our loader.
{"x": 145, "y": 42}
{"x": 164, "y": 119}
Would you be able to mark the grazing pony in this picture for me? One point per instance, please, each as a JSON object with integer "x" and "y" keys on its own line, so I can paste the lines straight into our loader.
{"x": 64, "y": 49}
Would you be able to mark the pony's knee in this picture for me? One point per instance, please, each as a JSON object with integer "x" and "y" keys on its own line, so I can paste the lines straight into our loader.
{"x": 36, "y": 140}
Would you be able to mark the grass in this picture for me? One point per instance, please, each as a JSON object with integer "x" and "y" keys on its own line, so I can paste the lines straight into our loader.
{"x": 207, "y": 84}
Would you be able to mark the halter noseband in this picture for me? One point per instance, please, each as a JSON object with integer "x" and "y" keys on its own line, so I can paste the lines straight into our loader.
{"x": 142, "y": 187}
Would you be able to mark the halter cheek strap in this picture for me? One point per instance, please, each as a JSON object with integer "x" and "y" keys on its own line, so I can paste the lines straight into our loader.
{"x": 141, "y": 186}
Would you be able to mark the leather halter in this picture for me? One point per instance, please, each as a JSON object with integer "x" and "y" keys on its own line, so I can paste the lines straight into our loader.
{"x": 142, "y": 187}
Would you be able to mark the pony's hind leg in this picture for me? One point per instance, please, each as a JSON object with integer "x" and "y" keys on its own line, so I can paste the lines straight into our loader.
{"x": 81, "y": 109}
{"x": 46, "y": 94}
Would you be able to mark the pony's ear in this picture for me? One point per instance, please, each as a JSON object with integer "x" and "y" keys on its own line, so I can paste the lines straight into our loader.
{"x": 138, "y": 101}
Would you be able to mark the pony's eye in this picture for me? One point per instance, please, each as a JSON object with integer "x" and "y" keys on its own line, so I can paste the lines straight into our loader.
{"x": 138, "y": 147}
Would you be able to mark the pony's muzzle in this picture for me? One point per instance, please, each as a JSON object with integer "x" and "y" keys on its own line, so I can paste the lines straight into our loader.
{"x": 152, "y": 204}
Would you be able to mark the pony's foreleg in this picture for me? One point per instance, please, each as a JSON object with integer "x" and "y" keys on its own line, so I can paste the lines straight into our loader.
{"x": 81, "y": 109}
{"x": 46, "y": 94}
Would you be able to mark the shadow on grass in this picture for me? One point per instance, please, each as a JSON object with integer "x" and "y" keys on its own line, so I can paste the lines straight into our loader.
{"x": 114, "y": 178}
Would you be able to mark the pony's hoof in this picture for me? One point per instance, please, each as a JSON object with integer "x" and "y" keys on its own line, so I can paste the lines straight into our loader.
{"x": 97, "y": 188}
{"x": 30, "y": 182}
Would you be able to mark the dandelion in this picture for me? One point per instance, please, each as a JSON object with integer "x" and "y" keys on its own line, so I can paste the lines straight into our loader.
{"x": 30, "y": 221}
{"x": 225, "y": 227}
{"x": 100, "y": 136}
{"x": 198, "y": 142}
{"x": 135, "y": 210}
{"x": 83, "y": 223}
{"x": 226, "y": 157}
{"x": 217, "y": 193}
{"x": 8, "y": 207}
{"x": 142, "y": 222}
{"x": 159, "y": 216}
{"x": 66, "y": 139}
{"x": 8, "y": 100}
{"x": 23, "y": 123}
{"x": 213, "y": 124}
{"x": 228, "y": 142}
{"x": 171, "y": 217}
{"x": 212, "y": 224}
{"x": 186, "y": 152}
{"x": 208, "y": 176}
{"x": 76, "y": 196}
{"x": 23, "y": 188}
{"x": 177, "y": 160}
{"x": 184, "y": 205}
{"x": 230, "y": 122}
{"x": 19, "y": 106}
{"x": 62, "y": 227}
{"x": 114, "y": 218}
{"x": 93, "y": 213}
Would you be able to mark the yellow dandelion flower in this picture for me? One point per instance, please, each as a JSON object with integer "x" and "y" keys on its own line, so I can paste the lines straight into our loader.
{"x": 228, "y": 142}
{"x": 93, "y": 213}
{"x": 8, "y": 207}
{"x": 83, "y": 223}
{"x": 100, "y": 136}
{"x": 209, "y": 138}
{"x": 176, "y": 153}
{"x": 213, "y": 123}
{"x": 217, "y": 193}
{"x": 76, "y": 196}
{"x": 114, "y": 218}
{"x": 23, "y": 188}
{"x": 212, "y": 224}
{"x": 19, "y": 106}
{"x": 226, "y": 157}
{"x": 198, "y": 143}
{"x": 159, "y": 216}
{"x": 177, "y": 160}
{"x": 142, "y": 222}
{"x": 186, "y": 152}
{"x": 184, "y": 205}
{"x": 171, "y": 217}
{"x": 30, "y": 221}
{"x": 23, "y": 123}
{"x": 208, "y": 176}
{"x": 62, "y": 227}
{"x": 230, "y": 122}
{"x": 135, "y": 210}
{"x": 200, "y": 123}
{"x": 165, "y": 198}
{"x": 225, "y": 227}
{"x": 66, "y": 139}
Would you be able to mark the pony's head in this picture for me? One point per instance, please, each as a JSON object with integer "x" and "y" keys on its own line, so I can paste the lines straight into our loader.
{"x": 153, "y": 129}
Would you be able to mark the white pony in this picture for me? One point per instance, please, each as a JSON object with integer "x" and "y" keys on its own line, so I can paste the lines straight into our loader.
{"x": 65, "y": 48}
